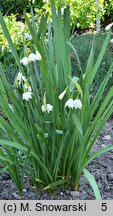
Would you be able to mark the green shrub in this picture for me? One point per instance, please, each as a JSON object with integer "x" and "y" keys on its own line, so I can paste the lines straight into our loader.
{"x": 7, "y": 60}
{"x": 83, "y": 12}
{"x": 108, "y": 7}
{"x": 16, "y": 30}
{"x": 17, "y": 6}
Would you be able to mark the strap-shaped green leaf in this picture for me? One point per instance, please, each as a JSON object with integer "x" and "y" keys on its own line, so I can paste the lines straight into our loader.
{"x": 93, "y": 184}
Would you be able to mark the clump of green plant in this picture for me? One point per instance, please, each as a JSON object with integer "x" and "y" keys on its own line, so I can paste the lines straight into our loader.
{"x": 51, "y": 125}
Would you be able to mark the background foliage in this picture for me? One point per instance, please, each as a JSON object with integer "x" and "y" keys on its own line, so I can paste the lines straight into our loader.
{"x": 108, "y": 5}
{"x": 83, "y": 45}
{"x": 17, "y": 6}
{"x": 83, "y": 11}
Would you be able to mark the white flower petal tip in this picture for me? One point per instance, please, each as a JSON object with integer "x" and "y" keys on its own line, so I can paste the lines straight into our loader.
{"x": 43, "y": 108}
{"x": 108, "y": 27}
{"x": 38, "y": 56}
{"x": 29, "y": 89}
{"x": 27, "y": 95}
{"x": 60, "y": 97}
{"x": 27, "y": 36}
{"x": 20, "y": 77}
{"x": 11, "y": 107}
{"x": 69, "y": 103}
{"x": 24, "y": 61}
{"x": 32, "y": 57}
{"x": 48, "y": 108}
{"x": 62, "y": 11}
{"x": 111, "y": 41}
{"x": 77, "y": 104}
{"x": 35, "y": 57}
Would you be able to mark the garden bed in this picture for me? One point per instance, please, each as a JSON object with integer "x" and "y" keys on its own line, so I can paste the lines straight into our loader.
{"x": 101, "y": 168}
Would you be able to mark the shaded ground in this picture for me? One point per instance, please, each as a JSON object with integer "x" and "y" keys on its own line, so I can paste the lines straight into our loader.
{"x": 101, "y": 168}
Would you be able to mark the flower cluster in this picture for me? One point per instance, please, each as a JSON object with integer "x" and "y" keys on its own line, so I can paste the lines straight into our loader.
{"x": 21, "y": 81}
{"x": 77, "y": 104}
{"x": 31, "y": 58}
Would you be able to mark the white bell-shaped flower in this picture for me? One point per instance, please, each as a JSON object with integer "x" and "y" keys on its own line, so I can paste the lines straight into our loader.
{"x": 32, "y": 57}
{"x": 77, "y": 104}
{"x": 20, "y": 77}
{"x": 27, "y": 36}
{"x": 38, "y": 56}
{"x": 47, "y": 108}
{"x": 24, "y": 61}
{"x": 27, "y": 95}
{"x": 69, "y": 103}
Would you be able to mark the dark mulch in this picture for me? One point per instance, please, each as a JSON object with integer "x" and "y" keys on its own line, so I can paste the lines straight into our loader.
{"x": 101, "y": 168}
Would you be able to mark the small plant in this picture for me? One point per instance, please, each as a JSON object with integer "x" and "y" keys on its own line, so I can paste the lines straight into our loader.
{"x": 52, "y": 124}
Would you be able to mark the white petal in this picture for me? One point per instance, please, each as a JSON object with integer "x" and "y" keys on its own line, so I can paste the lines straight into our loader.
{"x": 43, "y": 108}
{"x": 111, "y": 41}
{"x": 77, "y": 104}
{"x": 62, "y": 10}
{"x": 27, "y": 36}
{"x": 23, "y": 78}
{"x": 49, "y": 108}
{"x": 38, "y": 56}
{"x": 32, "y": 57}
{"x": 69, "y": 103}
{"x": 30, "y": 37}
{"x": 24, "y": 61}
{"x": 29, "y": 89}
{"x": 19, "y": 76}
{"x": 62, "y": 95}
{"x": 11, "y": 107}
{"x": 108, "y": 27}
{"x": 27, "y": 95}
